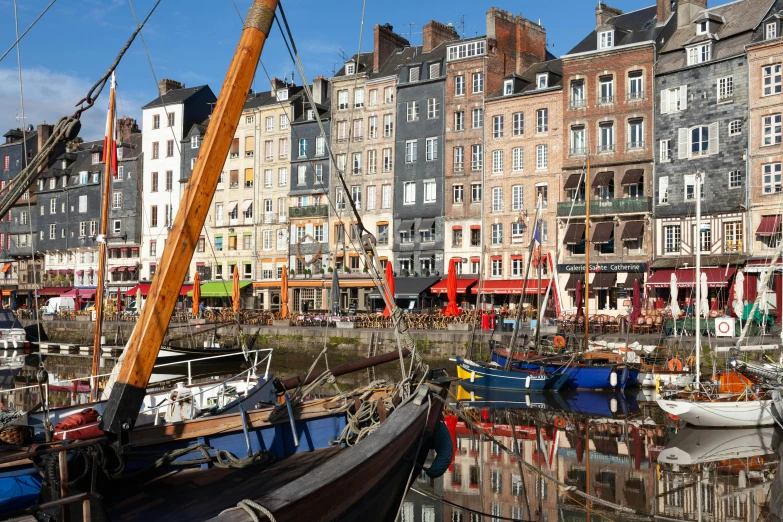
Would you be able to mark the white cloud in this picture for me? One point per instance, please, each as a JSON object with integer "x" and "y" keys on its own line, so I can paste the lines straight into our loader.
{"x": 50, "y": 95}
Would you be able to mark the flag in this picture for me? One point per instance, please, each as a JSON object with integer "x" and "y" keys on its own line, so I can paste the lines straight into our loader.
{"x": 537, "y": 240}
{"x": 110, "y": 136}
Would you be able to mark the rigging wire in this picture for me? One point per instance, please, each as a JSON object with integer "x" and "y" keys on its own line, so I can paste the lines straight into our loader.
{"x": 18, "y": 37}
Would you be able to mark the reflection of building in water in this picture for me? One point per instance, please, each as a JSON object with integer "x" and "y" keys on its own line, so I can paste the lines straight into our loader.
{"x": 418, "y": 508}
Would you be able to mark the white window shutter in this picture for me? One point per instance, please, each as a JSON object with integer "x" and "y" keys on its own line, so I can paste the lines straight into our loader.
{"x": 683, "y": 97}
{"x": 714, "y": 138}
{"x": 665, "y": 101}
{"x": 663, "y": 186}
{"x": 682, "y": 144}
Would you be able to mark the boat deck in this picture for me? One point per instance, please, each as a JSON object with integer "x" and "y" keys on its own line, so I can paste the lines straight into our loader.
{"x": 200, "y": 495}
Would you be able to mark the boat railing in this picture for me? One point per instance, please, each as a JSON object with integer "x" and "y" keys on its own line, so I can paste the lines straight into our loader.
{"x": 267, "y": 358}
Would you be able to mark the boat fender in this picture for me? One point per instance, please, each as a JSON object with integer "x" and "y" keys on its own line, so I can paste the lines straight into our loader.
{"x": 675, "y": 365}
{"x": 613, "y": 379}
{"x": 560, "y": 341}
{"x": 613, "y": 405}
{"x": 560, "y": 423}
{"x": 451, "y": 424}
{"x": 81, "y": 425}
{"x": 444, "y": 451}
{"x": 527, "y": 382}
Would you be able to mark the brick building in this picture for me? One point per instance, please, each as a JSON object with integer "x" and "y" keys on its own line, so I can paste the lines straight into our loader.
{"x": 608, "y": 118}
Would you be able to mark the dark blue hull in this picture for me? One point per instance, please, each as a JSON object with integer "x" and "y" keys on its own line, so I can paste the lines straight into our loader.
{"x": 580, "y": 376}
{"x": 522, "y": 380}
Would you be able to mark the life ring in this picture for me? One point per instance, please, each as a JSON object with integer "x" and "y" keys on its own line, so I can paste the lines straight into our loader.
{"x": 560, "y": 341}
{"x": 675, "y": 365}
{"x": 722, "y": 325}
{"x": 560, "y": 423}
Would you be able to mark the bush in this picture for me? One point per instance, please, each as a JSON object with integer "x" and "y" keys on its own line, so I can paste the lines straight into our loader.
{"x": 330, "y": 270}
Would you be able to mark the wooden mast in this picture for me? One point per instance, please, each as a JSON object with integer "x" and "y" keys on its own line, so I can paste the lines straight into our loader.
{"x": 102, "y": 231}
{"x": 127, "y": 395}
{"x": 587, "y": 255}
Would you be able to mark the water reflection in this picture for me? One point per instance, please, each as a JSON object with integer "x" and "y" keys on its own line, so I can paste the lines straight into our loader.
{"x": 619, "y": 447}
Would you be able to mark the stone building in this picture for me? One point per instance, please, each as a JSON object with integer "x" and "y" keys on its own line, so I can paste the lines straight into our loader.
{"x": 608, "y": 120}
{"x": 764, "y": 184}
{"x": 525, "y": 156}
{"x": 701, "y": 129}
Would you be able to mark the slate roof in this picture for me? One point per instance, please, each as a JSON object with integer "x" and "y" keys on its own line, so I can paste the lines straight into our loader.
{"x": 365, "y": 61}
{"x": 174, "y": 96}
{"x": 525, "y": 83}
{"x": 397, "y": 59}
{"x": 323, "y": 112}
{"x": 633, "y": 27}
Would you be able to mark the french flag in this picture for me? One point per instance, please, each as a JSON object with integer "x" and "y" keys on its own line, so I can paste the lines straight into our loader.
{"x": 110, "y": 136}
{"x": 537, "y": 240}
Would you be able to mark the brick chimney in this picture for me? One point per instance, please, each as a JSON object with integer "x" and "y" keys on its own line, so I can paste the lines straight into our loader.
{"x": 435, "y": 33}
{"x": 166, "y": 85}
{"x": 521, "y": 40}
{"x": 320, "y": 90}
{"x": 603, "y": 13}
{"x": 126, "y": 127}
{"x": 44, "y": 132}
{"x": 664, "y": 10}
{"x": 687, "y": 11}
{"x": 386, "y": 41}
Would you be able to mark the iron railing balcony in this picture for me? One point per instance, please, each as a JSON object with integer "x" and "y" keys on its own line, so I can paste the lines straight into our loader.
{"x": 309, "y": 211}
{"x": 605, "y": 207}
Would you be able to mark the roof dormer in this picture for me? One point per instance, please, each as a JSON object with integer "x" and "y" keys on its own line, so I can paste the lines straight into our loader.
{"x": 605, "y": 37}
{"x": 508, "y": 87}
{"x": 708, "y": 23}
{"x": 350, "y": 68}
{"x": 542, "y": 80}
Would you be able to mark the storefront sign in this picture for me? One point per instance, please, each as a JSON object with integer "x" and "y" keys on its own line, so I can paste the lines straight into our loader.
{"x": 603, "y": 267}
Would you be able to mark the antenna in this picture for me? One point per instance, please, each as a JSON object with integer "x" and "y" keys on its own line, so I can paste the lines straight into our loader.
{"x": 410, "y": 31}
{"x": 462, "y": 25}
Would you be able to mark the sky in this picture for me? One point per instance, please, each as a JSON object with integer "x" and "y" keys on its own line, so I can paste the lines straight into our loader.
{"x": 193, "y": 42}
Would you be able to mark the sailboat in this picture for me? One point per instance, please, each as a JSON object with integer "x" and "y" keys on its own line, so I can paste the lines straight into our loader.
{"x": 725, "y": 407}
{"x": 349, "y": 458}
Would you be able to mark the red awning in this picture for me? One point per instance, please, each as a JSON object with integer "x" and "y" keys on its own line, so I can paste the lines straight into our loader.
{"x": 475, "y": 227}
{"x": 716, "y": 277}
{"x": 770, "y": 226}
{"x": 84, "y": 293}
{"x": 80, "y": 272}
{"x": 121, "y": 268}
{"x": 132, "y": 268}
{"x": 53, "y": 290}
{"x": 475, "y": 259}
{"x": 113, "y": 269}
{"x": 456, "y": 227}
{"x": 145, "y": 288}
{"x": 515, "y": 257}
{"x": 462, "y": 285}
{"x": 511, "y": 286}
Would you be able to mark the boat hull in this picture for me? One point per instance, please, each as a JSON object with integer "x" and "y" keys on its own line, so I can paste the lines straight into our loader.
{"x": 728, "y": 414}
{"x": 580, "y": 376}
{"x": 508, "y": 380}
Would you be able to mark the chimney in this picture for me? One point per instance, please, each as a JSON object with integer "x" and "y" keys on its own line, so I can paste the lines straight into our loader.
{"x": 320, "y": 90}
{"x": 687, "y": 11}
{"x": 386, "y": 41}
{"x": 126, "y": 127}
{"x": 435, "y": 33}
{"x": 278, "y": 84}
{"x": 664, "y": 10}
{"x": 603, "y": 13}
{"x": 166, "y": 85}
{"x": 44, "y": 132}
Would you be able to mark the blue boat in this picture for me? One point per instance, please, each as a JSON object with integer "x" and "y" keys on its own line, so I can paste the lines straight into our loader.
{"x": 599, "y": 403}
{"x": 509, "y": 380}
{"x": 581, "y": 375}
{"x": 478, "y": 396}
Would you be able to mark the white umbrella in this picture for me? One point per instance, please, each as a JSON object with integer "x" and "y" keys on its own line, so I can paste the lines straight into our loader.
{"x": 737, "y": 304}
{"x": 705, "y": 302}
{"x": 675, "y": 308}
{"x": 138, "y": 299}
{"x": 761, "y": 288}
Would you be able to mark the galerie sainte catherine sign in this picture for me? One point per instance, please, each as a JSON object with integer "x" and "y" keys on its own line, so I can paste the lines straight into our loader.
{"x": 603, "y": 267}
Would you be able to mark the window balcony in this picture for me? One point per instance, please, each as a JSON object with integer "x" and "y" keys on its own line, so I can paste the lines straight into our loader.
{"x": 605, "y": 100}
{"x": 577, "y": 151}
{"x": 734, "y": 246}
{"x": 249, "y": 153}
{"x": 309, "y": 211}
{"x": 269, "y": 218}
{"x": 635, "y": 96}
{"x": 635, "y": 145}
{"x": 577, "y": 104}
{"x": 233, "y": 185}
{"x": 606, "y": 147}
{"x": 233, "y": 155}
{"x": 459, "y": 167}
{"x": 356, "y": 171}
{"x": 607, "y": 207}
{"x": 282, "y": 218}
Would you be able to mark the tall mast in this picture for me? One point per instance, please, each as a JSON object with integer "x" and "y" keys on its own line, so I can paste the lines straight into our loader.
{"x": 697, "y": 245}
{"x": 128, "y": 393}
{"x": 587, "y": 255}
{"x": 102, "y": 231}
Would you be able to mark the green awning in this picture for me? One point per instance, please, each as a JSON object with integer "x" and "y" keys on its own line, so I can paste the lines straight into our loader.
{"x": 219, "y": 288}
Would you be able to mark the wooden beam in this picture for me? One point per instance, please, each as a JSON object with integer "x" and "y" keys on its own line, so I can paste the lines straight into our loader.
{"x": 128, "y": 393}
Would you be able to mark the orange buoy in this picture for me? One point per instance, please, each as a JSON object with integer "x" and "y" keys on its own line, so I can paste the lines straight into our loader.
{"x": 560, "y": 341}
{"x": 560, "y": 422}
{"x": 675, "y": 365}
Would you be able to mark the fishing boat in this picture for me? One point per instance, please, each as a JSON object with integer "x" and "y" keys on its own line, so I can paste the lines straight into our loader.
{"x": 497, "y": 377}
{"x": 351, "y": 457}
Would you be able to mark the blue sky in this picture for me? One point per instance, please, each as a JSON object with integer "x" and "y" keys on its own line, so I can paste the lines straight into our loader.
{"x": 193, "y": 42}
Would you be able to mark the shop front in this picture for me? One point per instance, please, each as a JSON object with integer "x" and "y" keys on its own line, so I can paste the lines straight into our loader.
{"x": 610, "y": 286}
{"x": 719, "y": 285}
{"x": 464, "y": 290}
{"x": 497, "y": 293}
{"x": 144, "y": 288}
{"x": 410, "y": 293}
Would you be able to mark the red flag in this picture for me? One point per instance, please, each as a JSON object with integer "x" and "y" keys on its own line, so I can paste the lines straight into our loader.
{"x": 110, "y": 136}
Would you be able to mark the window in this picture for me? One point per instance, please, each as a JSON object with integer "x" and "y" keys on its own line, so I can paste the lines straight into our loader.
{"x": 218, "y": 243}
{"x": 270, "y": 123}
{"x": 356, "y": 167}
{"x": 771, "y": 79}
{"x": 497, "y": 199}
{"x": 342, "y": 100}
{"x": 154, "y": 182}
{"x": 542, "y": 80}
{"x": 358, "y": 98}
{"x": 459, "y": 120}
{"x": 370, "y": 203}
{"x": 606, "y": 135}
{"x": 387, "y": 160}
{"x": 665, "y": 150}
{"x": 701, "y": 27}
{"x": 497, "y": 268}
{"x": 497, "y": 162}
{"x": 386, "y": 196}
{"x": 699, "y": 53}
{"x": 542, "y": 120}
{"x": 155, "y": 150}
{"x": 429, "y": 191}
{"x": 171, "y": 119}
{"x": 518, "y": 159}
{"x": 771, "y": 31}
{"x": 116, "y": 200}
{"x": 413, "y": 74}
{"x": 497, "y": 126}
{"x": 466, "y": 50}
{"x": 410, "y": 151}
{"x": 636, "y": 134}
{"x": 771, "y": 180}
{"x": 700, "y": 137}
{"x": 508, "y": 87}
{"x": 372, "y": 161}
{"x": 478, "y": 118}
{"x": 497, "y": 234}
{"x": 388, "y": 125}
{"x": 690, "y": 186}
{"x": 169, "y": 148}
{"x": 671, "y": 234}
{"x": 542, "y": 156}
{"x": 82, "y": 205}
{"x": 542, "y": 193}
{"x": 372, "y": 127}
{"x": 82, "y": 229}
{"x": 605, "y": 39}
{"x": 412, "y": 110}
{"x": 154, "y": 216}
{"x": 732, "y": 234}
{"x": 431, "y": 149}
{"x": 319, "y": 173}
{"x": 606, "y": 89}
{"x": 459, "y": 85}
{"x": 475, "y": 192}
{"x": 356, "y": 196}
{"x": 456, "y": 238}
{"x": 735, "y": 179}
{"x": 635, "y": 88}
{"x": 771, "y": 129}
{"x": 577, "y": 94}
{"x": 478, "y": 83}
{"x": 477, "y": 157}
{"x": 283, "y": 147}
{"x": 433, "y": 108}
{"x": 409, "y": 193}
{"x": 578, "y": 141}
{"x": 282, "y": 176}
{"x": 156, "y": 121}
{"x": 459, "y": 159}
{"x": 301, "y": 171}
{"x": 249, "y": 120}
{"x": 169, "y": 180}
{"x": 735, "y": 127}
{"x": 725, "y": 88}
{"x": 388, "y": 95}
{"x": 459, "y": 194}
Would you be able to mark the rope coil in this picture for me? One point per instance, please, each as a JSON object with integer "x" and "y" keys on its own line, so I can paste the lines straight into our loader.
{"x": 260, "y": 17}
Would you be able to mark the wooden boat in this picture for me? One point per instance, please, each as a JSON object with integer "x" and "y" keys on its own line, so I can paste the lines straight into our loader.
{"x": 693, "y": 446}
{"x": 728, "y": 412}
{"x": 510, "y": 380}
